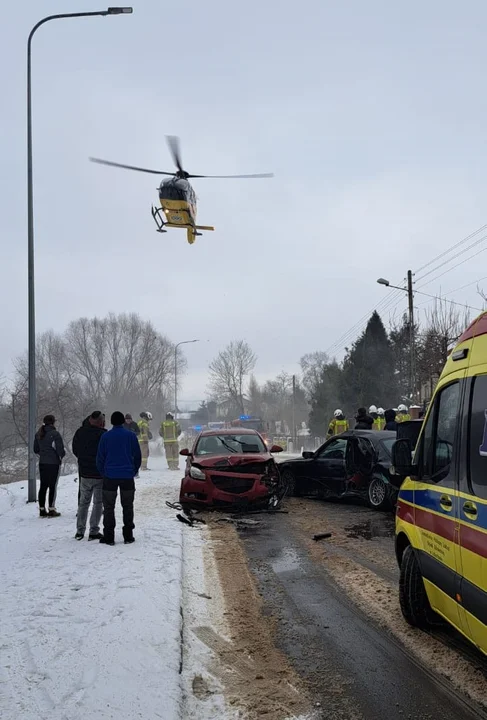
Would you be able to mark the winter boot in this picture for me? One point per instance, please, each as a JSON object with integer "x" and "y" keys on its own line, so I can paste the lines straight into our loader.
{"x": 95, "y": 536}
{"x": 107, "y": 540}
{"x": 128, "y": 535}
{"x": 42, "y": 512}
{"x": 79, "y": 536}
{"x": 54, "y": 513}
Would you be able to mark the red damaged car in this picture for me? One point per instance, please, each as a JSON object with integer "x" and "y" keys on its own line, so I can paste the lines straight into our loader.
{"x": 230, "y": 469}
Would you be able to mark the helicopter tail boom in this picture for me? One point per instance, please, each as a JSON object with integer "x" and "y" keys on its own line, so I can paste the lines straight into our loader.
{"x": 204, "y": 227}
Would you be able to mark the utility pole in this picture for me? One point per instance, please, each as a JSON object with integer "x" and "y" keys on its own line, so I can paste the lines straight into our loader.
{"x": 412, "y": 358}
{"x": 31, "y": 429}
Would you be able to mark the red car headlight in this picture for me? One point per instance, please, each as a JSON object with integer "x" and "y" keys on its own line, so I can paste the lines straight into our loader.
{"x": 196, "y": 473}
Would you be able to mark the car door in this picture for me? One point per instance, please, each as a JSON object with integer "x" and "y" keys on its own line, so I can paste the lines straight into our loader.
{"x": 326, "y": 473}
{"x": 360, "y": 461}
{"x": 435, "y": 498}
{"x": 473, "y": 514}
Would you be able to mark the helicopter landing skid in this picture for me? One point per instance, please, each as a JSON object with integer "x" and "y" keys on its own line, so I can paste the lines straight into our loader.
{"x": 157, "y": 215}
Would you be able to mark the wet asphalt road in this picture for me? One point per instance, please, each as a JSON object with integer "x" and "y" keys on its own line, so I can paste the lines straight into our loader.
{"x": 352, "y": 668}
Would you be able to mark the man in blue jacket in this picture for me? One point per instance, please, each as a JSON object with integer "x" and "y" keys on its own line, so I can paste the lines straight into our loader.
{"x": 118, "y": 461}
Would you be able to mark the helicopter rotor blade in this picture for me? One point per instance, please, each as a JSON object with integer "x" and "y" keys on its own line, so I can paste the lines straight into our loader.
{"x": 258, "y": 175}
{"x": 129, "y": 167}
{"x": 174, "y": 147}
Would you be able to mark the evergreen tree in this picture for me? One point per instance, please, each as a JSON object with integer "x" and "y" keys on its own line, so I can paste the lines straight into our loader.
{"x": 368, "y": 369}
{"x": 325, "y": 398}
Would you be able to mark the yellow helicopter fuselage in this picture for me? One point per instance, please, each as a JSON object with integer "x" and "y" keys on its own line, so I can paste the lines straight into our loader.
{"x": 178, "y": 201}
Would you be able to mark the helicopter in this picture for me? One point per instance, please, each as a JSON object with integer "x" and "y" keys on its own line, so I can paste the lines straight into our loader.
{"x": 176, "y": 195}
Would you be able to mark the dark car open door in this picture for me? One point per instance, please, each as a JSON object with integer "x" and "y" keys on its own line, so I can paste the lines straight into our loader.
{"x": 409, "y": 429}
{"x": 360, "y": 457}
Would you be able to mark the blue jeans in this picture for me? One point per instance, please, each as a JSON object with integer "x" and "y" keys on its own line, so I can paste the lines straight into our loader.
{"x": 90, "y": 488}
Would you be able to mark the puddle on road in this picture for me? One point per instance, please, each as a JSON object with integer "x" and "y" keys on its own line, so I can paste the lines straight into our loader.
{"x": 286, "y": 561}
{"x": 370, "y": 529}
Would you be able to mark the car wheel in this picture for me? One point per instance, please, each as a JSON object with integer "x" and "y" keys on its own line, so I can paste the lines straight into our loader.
{"x": 413, "y": 599}
{"x": 289, "y": 483}
{"x": 378, "y": 494}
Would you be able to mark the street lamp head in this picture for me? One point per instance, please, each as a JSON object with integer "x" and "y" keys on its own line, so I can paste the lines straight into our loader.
{"x": 383, "y": 281}
{"x": 120, "y": 11}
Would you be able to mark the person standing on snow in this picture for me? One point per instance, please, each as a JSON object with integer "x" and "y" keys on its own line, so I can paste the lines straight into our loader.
{"x": 48, "y": 444}
{"x": 130, "y": 424}
{"x": 364, "y": 421}
{"x": 170, "y": 432}
{"x": 85, "y": 448}
{"x": 118, "y": 461}
{"x": 338, "y": 425}
{"x": 144, "y": 436}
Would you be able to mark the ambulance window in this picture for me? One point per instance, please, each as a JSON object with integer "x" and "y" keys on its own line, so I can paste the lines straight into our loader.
{"x": 439, "y": 436}
{"x": 478, "y": 437}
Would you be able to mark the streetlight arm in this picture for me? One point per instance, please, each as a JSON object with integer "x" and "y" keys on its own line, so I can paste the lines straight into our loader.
{"x": 60, "y": 16}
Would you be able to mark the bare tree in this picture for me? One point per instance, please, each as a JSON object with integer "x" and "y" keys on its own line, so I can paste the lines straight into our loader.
{"x": 122, "y": 359}
{"x": 444, "y": 324}
{"x": 228, "y": 372}
{"x": 119, "y": 362}
{"x": 312, "y": 367}
{"x": 483, "y": 294}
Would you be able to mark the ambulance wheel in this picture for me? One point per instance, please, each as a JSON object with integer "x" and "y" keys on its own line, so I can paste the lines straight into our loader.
{"x": 413, "y": 599}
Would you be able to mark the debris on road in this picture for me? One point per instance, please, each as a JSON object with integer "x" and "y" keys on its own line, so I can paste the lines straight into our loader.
{"x": 322, "y": 536}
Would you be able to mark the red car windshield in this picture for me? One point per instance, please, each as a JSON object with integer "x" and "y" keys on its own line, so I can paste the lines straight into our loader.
{"x": 228, "y": 444}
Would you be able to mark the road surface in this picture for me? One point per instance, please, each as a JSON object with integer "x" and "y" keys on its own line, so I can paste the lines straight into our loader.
{"x": 332, "y": 606}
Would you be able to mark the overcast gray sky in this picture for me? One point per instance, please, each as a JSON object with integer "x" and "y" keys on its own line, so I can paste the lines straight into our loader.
{"x": 371, "y": 115}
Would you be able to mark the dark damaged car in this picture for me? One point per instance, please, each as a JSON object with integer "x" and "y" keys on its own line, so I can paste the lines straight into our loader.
{"x": 356, "y": 463}
{"x": 230, "y": 469}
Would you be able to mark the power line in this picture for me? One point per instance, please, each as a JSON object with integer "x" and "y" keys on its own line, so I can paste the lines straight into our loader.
{"x": 452, "y": 302}
{"x": 351, "y": 330}
{"x": 453, "y": 247}
{"x": 446, "y": 262}
{"x": 450, "y": 292}
{"x": 454, "y": 268}
{"x": 360, "y": 324}
{"x": 394, "y": 298}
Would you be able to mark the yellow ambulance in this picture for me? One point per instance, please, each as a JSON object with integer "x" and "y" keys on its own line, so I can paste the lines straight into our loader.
{"x": 441, "y": 515}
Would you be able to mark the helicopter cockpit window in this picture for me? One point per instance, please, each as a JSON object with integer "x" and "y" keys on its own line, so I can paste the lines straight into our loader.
{"x": 172, "y": 192}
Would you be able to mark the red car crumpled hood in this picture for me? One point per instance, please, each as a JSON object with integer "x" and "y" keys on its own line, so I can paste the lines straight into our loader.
{"x": 229, "y": 460}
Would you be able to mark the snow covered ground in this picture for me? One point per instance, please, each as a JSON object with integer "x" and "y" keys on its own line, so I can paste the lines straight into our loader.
{"x": 88, "y": 630}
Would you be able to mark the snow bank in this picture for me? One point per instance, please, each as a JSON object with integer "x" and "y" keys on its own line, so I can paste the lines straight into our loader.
{"x": 91, "y": 631}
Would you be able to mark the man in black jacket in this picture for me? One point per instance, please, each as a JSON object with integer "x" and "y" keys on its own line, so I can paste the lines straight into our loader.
{"x": 364, "y": 421}
{"x": 85, "y": 448}
{"x": 130, "y": 424}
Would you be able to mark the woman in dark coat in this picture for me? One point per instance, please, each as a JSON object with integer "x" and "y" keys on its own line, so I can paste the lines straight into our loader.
{"x": 48, "y": 444}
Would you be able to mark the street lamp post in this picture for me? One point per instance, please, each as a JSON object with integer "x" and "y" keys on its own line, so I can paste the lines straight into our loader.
{"x": 409, "y": 291}
{"x": 31, "y": 497}
{"x": 183, "y": 342}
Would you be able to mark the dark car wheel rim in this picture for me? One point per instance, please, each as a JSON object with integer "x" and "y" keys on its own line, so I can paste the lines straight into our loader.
{"x": 377, "y": 492}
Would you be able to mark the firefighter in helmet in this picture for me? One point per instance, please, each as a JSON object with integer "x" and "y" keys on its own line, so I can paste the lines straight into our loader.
{"x": 402, "y": 414}
{"x": 381, "y": 419}
{"x": 144, "y": 436}
{"x": 170, "y": 432}
{"x": 377, "y": 417}
{"x": 338, "y": 425}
